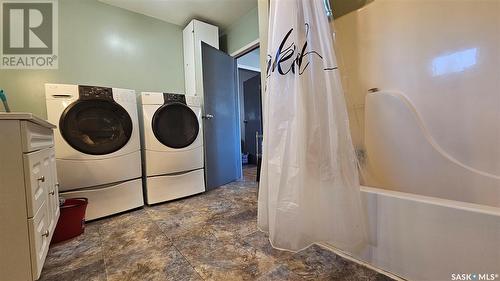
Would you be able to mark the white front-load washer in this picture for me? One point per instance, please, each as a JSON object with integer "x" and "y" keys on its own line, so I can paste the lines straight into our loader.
{"x": 173, "y": 146}
{"x": 97, "y": 146}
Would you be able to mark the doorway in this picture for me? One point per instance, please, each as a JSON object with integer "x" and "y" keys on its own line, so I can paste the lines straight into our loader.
{"x": 250, "y": 103}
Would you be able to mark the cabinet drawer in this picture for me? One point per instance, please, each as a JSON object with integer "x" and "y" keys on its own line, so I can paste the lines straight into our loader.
{"x": 35, "y": 137}
{"x": 37, "y": 178}
{"x": 40, "y": 234}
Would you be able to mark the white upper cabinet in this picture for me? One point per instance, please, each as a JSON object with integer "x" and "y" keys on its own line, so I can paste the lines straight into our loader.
{"x": 195, "y": 33}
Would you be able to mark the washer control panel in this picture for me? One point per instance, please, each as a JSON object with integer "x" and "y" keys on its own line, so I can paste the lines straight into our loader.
{"x": 94, "y": 92}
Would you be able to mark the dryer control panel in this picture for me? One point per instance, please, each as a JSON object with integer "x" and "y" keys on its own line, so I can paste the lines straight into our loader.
{"x": 169, "y": 98}
{"x": 94, "y": 92}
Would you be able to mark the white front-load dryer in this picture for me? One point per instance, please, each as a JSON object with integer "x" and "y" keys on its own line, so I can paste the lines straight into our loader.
{"x": 173, "y": 146}
{"x": 97, "y": 146}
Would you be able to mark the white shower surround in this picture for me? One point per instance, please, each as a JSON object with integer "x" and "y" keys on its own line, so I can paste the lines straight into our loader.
{"x": 442, "y": 58}
{"x": 443, "y": 55}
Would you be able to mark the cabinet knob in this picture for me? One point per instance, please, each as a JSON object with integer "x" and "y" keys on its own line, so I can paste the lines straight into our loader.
{"x": 52, "y": 192}
{"x": 42, "y": 179}
{"x": 46, "y": 233}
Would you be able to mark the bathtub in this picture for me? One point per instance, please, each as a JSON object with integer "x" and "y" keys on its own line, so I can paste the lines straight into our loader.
{"x": 431, "y": 217}
{"x": 427, "y": 238}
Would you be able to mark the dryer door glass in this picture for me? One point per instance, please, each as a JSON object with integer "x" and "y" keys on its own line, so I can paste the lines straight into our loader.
{"x": 175, "y": 125}
{"x": 96, "y": 127}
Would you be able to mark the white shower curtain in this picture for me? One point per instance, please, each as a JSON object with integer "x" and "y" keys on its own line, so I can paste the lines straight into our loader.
{"x": 309, "y": 189}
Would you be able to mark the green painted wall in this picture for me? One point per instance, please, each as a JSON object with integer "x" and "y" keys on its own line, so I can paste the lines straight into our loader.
{"x": 103, "y": 45}
{"x": 242, "y": 32}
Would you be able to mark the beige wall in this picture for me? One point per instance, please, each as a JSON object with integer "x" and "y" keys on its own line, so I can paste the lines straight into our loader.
{"x": 443, "y": 55}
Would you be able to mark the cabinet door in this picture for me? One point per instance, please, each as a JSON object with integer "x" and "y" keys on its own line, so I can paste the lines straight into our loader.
{"x": 189, "y": 64}
{"x": 37, "y": 178}
{"x": 52, "y": 191}
{"x": 56, "y": 184}
{"x": 39, "y": 233}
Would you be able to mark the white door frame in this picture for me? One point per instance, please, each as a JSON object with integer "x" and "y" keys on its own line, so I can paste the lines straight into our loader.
{"x": 238, "y": 53}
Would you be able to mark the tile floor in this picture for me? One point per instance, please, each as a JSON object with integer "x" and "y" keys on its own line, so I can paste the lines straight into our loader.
{"x": 212, "y": 236}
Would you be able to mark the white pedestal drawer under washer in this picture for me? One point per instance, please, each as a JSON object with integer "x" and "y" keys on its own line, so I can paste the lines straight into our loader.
{"x": 97, "y": 145}
{"x": 173, "y": 146}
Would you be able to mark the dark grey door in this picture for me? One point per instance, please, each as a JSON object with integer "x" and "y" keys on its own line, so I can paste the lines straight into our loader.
{"x": 222, "y": 148}
{"x": 253, "y": 120}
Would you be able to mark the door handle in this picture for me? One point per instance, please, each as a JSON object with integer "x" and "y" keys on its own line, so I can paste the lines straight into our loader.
{"x": 42, "y": 179}
{"x": 208, "y": 116}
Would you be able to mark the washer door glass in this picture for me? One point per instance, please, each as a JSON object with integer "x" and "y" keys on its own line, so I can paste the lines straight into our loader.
{"x": 175, "y": 125}
{"x": 96, "y": 127}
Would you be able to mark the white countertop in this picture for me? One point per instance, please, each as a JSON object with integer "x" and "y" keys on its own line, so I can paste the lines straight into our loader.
{"x": 26, "y": 116}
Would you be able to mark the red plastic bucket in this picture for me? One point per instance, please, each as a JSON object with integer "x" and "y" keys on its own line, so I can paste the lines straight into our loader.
{"x": 71, "y": 220}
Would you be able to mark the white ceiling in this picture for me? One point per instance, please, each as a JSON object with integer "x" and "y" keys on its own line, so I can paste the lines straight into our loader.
{"x": 218, "y": 12}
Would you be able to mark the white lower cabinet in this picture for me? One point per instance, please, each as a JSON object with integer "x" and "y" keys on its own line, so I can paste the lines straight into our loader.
{"x": 36, "y": 179}
{"x": 53, "y": 190}
{"x": 29, "y": 198}
{"x": 40, "y": 232}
